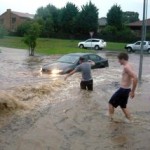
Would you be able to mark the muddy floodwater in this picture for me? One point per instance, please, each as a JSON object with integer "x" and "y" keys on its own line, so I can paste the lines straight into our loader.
{"x": 44, "y": 112}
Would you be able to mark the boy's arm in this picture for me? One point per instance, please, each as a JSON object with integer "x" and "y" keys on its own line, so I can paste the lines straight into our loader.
{"x": 91, "y": 62}
{"x": 71, "y": 73}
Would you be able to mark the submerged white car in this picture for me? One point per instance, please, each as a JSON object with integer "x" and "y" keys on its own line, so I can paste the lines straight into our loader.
{"x": 97, "y": 44}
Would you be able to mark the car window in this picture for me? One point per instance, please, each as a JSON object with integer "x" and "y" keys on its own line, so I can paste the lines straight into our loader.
{"x": 88, "y": 40}
{"x": 149, "y": 43}
{"x": 144, "y": 43}
{"x": 94, "y": 57}
{"x": 95, "y": 40}
{"x": 138, "y": 43}
{"x": 86, "y": 57}
{"x": 68, "y": 59}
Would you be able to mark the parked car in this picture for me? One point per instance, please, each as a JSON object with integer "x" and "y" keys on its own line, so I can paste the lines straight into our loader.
{"x": 68, "y": 62}
{"x": 93, "y": 43}
{"x": 137, "y": 46}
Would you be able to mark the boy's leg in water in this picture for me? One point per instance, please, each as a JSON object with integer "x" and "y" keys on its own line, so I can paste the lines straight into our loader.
{"x": 127, "y": 113}
{"x": 90, "y": 85}
{"x": 83, "y": 85}
{"x": 111, "y": 111}
{"x": 114, "y": 103}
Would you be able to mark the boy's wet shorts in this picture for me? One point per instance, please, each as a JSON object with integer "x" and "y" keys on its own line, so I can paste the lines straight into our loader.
{"x": 120, "y": 98}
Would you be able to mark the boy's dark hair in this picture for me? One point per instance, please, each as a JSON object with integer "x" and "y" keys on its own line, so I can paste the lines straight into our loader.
{"x": 123, "y": 56}
{"x": 82, "y": 59}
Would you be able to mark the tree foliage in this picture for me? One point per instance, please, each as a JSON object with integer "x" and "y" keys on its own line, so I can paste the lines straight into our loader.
{"x": 129, "y": 17}
{"x": 55, "y": 12}
{"x": 114, "y": 17}
{"x": 23, "y": 28}
{"x": 111, "y": 33}
{"x": 31, "y": 36}
{"x": 68, "y": 20}
{"x": 44, "y": 18}
{"x": 68, "y": 17}
{"x": 116, "y": 30}
{"x": 87, "y": 19}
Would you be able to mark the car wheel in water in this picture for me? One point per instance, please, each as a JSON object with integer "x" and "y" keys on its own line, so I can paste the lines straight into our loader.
{"x": 96, "y": 47}
{"x": 81, "y": 46}
{"x": 129, "y": 49}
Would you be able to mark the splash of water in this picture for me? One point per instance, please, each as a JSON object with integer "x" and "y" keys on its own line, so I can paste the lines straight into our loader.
{"x": 18, "y": 97}
{"x": 10, "y": 102}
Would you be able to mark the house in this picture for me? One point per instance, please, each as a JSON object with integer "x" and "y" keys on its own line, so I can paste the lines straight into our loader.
{"x": 137, "y": 26}
{"x": 11, "y": 19}
{"x": 102, "y": 22}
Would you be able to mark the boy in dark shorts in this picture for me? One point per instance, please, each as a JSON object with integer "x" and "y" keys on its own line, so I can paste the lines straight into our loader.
{"x": 127, "y": 88}
{"x": 85, "y": 69}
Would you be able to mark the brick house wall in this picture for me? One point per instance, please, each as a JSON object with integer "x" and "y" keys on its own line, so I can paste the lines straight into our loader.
{"x": 11, "y": 21}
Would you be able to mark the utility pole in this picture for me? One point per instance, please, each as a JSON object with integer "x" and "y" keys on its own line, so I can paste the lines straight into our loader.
{"x": 142, "y": 40}
{"x": 91, "y": 34}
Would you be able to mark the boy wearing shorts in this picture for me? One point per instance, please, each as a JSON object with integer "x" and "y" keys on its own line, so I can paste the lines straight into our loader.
{"x": 127, "y": 88}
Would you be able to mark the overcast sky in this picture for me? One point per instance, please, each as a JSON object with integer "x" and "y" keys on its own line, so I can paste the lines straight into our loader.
{"x": 31, "y": 6}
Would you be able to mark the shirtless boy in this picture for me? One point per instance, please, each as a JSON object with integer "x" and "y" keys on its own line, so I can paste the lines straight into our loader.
{"x": 127, "y": 88}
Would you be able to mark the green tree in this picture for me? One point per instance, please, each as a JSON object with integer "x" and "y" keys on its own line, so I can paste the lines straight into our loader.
{"x": 44, "y": 18}
{"x": 68, "y": 16}
{"x": 114, "y": 17}
{"x": 111, "y": 33}
{"x": 87, "y": 19}
{"x": 23, "y": 28}
{"x": 109, "y": 30}
{"x": 129, "y": 17}
{"x": 31, "y": 36}
{"x": 55, "y": 12}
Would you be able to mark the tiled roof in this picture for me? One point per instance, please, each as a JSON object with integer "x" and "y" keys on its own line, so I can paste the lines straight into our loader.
{"x": 24, "y": 15}
{"x": 139, "y": 23}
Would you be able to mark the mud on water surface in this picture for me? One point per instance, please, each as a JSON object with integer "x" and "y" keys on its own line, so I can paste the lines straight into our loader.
{"x": 44, "y": 112}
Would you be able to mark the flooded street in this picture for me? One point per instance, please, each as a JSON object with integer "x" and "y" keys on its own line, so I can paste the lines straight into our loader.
{"x": 44, "y": 112}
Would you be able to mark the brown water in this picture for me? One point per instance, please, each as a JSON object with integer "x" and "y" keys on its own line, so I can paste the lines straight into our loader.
{"x": 44, "y": 112}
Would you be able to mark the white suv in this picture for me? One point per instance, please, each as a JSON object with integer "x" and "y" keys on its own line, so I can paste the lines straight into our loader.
{"x": 137, "y": 46}
{"x": 93, "y": 43}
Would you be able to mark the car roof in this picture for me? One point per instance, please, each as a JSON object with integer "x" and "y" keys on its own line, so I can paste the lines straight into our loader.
{"x": 141, "y": 41}
{"x": 80, "y": 54}
{"x": 94, "y": 39}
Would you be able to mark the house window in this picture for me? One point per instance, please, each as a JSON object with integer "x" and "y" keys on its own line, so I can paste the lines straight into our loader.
{"x": 13, "y": 20}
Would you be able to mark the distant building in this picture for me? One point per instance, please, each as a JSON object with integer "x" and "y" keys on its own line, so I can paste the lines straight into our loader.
{"x": 137, "y": 26}
{"x": 102, "y": 22}
{"x": 11, "y": 19}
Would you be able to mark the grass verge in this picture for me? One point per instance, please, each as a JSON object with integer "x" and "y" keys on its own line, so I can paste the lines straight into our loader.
{"x": 54, "y": 46}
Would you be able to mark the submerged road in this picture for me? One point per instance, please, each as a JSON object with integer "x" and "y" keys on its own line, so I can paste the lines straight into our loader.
{"x": 47, "y": 113}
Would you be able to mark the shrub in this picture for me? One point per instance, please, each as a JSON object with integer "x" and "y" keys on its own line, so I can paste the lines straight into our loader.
{"x": 110, "y": 33}
{"x": 31, "y": 36}
{"x": 23, "y": 28}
